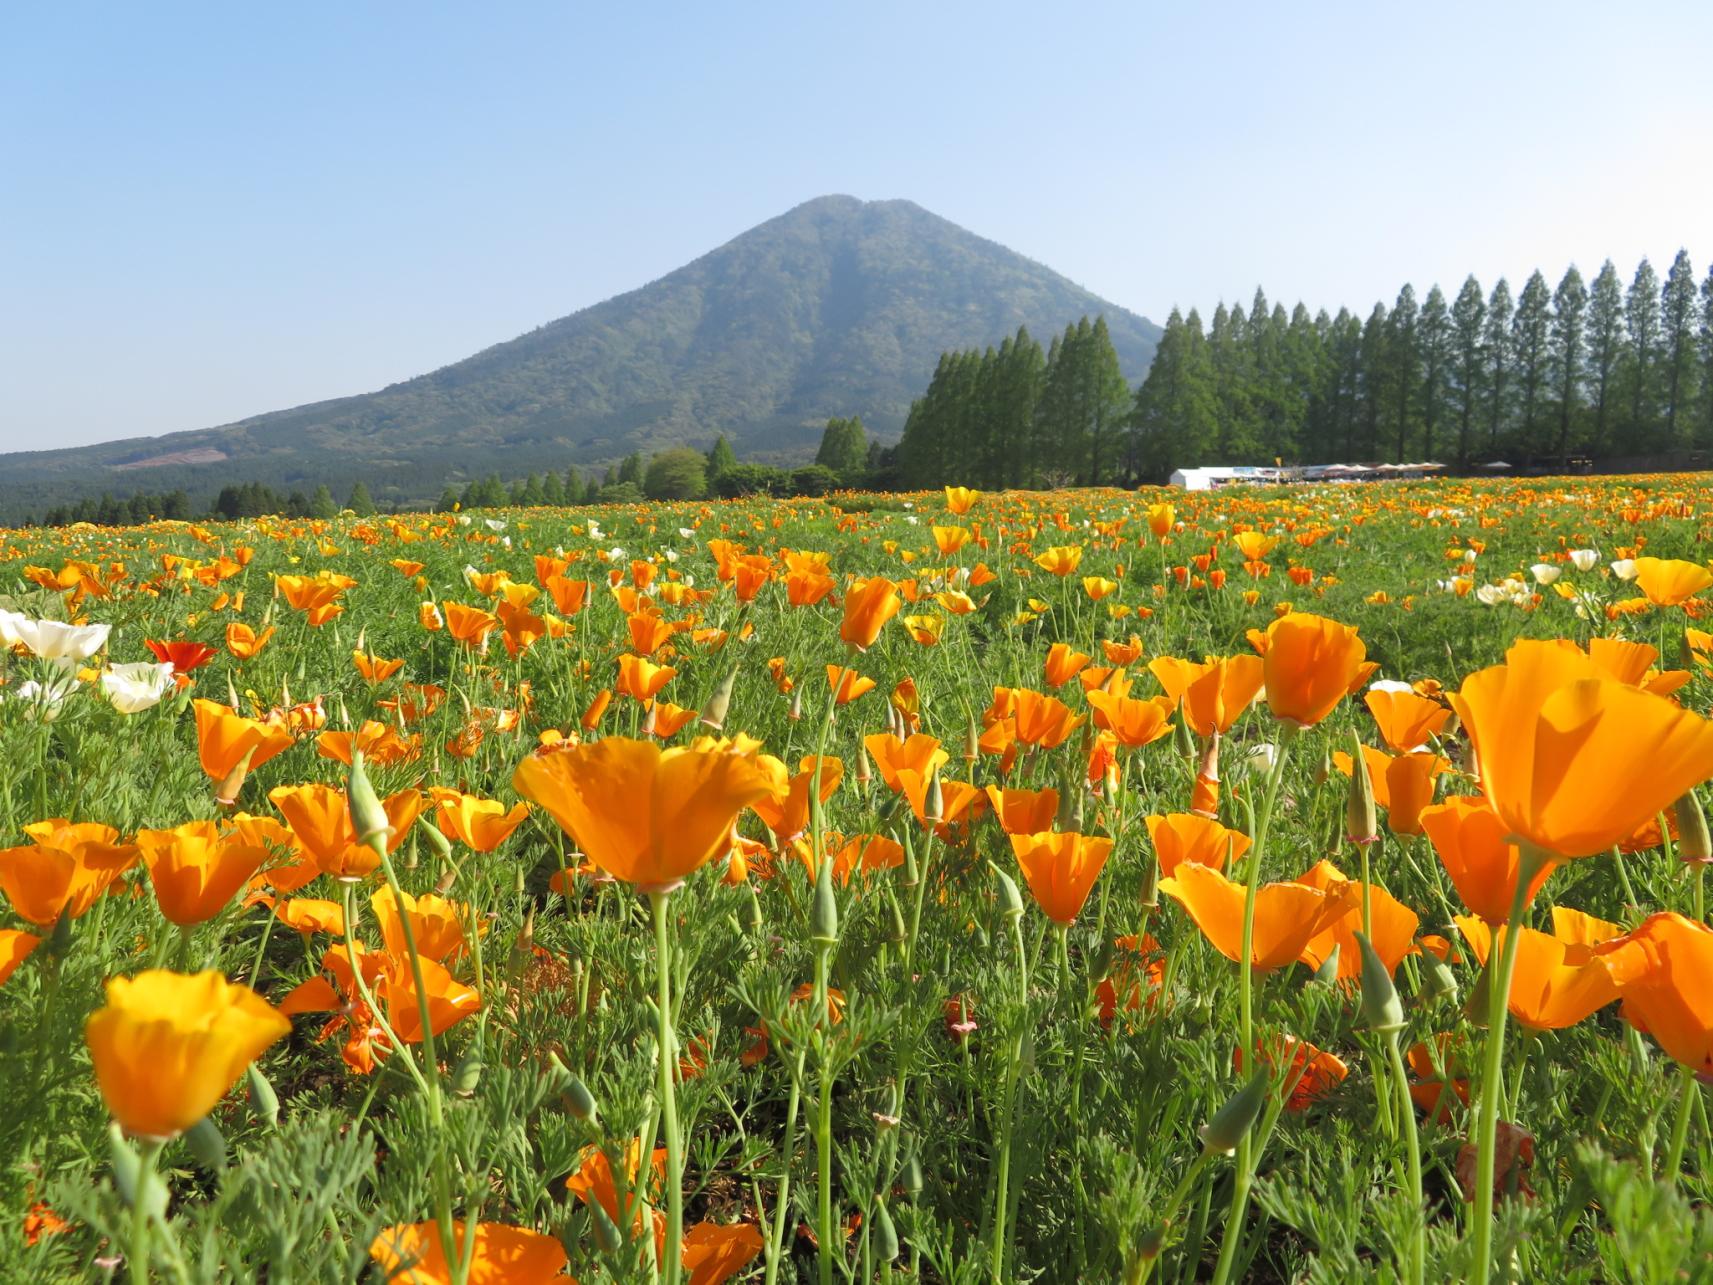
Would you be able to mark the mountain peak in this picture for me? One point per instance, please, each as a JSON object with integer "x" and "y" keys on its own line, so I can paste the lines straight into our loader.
{"x": 837, "y": 307}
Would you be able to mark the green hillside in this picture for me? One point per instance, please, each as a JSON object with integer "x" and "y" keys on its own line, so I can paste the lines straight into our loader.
{"x": 837, "y": 307}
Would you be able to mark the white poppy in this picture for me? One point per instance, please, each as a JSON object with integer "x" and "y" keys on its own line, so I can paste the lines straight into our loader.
{"x": 55, "y": 640}
{"x": 1546, "y": 572}
{"x": 1624, "y": 568}
{"x": 137, "y": 686}
{"x": 494, "y": 524}
{"x": 1584, "y": 559}
{"x": 1388, "y": 685}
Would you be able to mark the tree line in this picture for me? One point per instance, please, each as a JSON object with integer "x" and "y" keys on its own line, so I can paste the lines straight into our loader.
{"x": 1603, "y": 371}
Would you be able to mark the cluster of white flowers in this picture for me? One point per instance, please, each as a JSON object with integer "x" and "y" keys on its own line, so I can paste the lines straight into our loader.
{"x": 130, "y": 687}
{"x": 1515, "y": 591}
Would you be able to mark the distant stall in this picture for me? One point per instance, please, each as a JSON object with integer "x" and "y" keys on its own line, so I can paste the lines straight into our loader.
{"x": 1214, "y": 477}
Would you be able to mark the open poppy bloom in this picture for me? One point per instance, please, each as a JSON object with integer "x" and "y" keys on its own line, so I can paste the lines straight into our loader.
{"x": 864, "y": 852}
{"x": 1061, "y": 869}
{"x": 1288, "y": 916}
{"x": 469, "y": 626}
{"x": 373, "y": 668}
{"x": 379, "y": 744}
{"x": 789, "y": 817}
{"x": 960, "y": 802}
{"x": 1213, "y": 694}
{"x": 1556, "y": 984}
{"x": 63, "y": 869}
{"x": 1138, "y": 970}
{"x": 640, "y": 678}
{"x": 309, "y": 915}
{"x": 436, "y": 924}
{"x": 846, "y": 684}
{"x": 224, "y": 739}
{"x": 643, "y": 814}
{"x": 1061, "y": 560}
{"x": 1042, "y": 720}
{"x": 1473, "y": 846}
{"x": 1661, "y": 970}
{"x": 593, "y": 1183}
{"x": 949, "y": 539}
{"x": 869, "y": 604}
{"x": 1311, "y": 664}
{"x": 1670, "y": 582}
{"x": 1063, "y": 664}
{"x": 183, "y": 656}
{"x": 961, "y": 499}
{"x": 392, "y": 981}
{"x": 1403, "y": 784}
{"x": 1311, "y": 1073}
{"x": 1202, "y": 841}
{"x": 1133, "y": 723}
{"x": 1407, "y": 721}
{"x": 244, "y": 642}
{"x": 920, "y": 753}
{"x": 1023, "y": 811}
{"x": 167, "y": 1046}
{"x": 1393, "y": 925}
{"x": 197, "y": 869}
{"x": 320, "y": 820}
{"x": 15, "y": 948}
{"x": 479, "y": 824}
{"x": 1573, "y": 761}
{"x": 411, "y": 1254}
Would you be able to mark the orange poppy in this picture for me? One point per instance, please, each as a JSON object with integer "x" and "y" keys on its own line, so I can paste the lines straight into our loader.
{"x": 641, "y": 679}
{"x": 244, "y": 642}
{"x": 1061, "y": 869}
{"x": 1063, "y": 663}
{"x": 1555, "y": 984}
{"x": 1023, "y": 811}
{"x": 225, "y": 739}
{"x": 1474, "y": 847}
{"x": 869, "y": 604}
{"x": 1202, "y": 841}
{"x": 196, "y": 869}
{"x": 846, "y": 684}
{"x": 1311, "y": 664}
{"x": 1406, "y": 721}
{"x": 1312, "y": 1073}
{"x": 647, "y": 815}
{"x": 1137, "y": 968}
{"x": 1061, "y": 560}
{"x": 312, "y": 915}
{"x": 15, "y": 948}
{"x": 378, "y": 743}
{"x": 479, "y": 824}
{"x": 865, "y": 852}
{"x": 788, "y": 817}
{"x": 412, "y": 1254}
{"x": 1392, "y": 925}
{"x": 1403, "y": 785}
{"x": 961, "y": 499}
{"x": 1661, "y": 971}
{"x": 63, "y": 869}
{"x": 920, "y": 753}
{"x": 1042, "y": 720}
{"x": 373, "y": 668}
{"x": 1557, "y": 743}
{"x": 470, "y": 626}
{"x": 321, "y": 822}
{"x": 1669, "y": 582}
{"x": 1288, "y": 916}
{"x": 436, "y": 924}
{"x": 1133, "y": 723}
{"x": 1213, "y": 694}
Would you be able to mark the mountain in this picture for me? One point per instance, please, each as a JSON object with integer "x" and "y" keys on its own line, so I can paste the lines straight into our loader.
{"x": 837, "y": 307}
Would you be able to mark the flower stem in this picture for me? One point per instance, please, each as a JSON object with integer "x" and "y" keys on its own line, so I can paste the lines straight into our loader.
{"x": 1487, "y": 1123}
{"x": 666, "y": 1053}
{"x": 1008, "y": 1105}
{"x": 1418, "y": 1229}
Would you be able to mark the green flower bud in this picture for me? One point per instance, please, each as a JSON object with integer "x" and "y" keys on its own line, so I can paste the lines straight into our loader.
{"x": 264, "y": 1102}
{"x": 1693, "y": 844}
{"x": 1438, "y": 981}
{"x": 136, "y": 1186}
{"x": 720, "y": 703}
{"x": 1221, "y": 1134}
{"x": 438, "y": 841}
{"x": 1010, "y": 899}
{"x": 824, "y": 913}
{"x": 467, "y": 1074}
{"x": 1361, "y": 820}
{"x": 368, "y": 817}
{"x": 1381, "y": 1008}
{"x": 885, "y": 1234}
{"x": 205, "y": 1143}
{"x": 1327, "y": 973}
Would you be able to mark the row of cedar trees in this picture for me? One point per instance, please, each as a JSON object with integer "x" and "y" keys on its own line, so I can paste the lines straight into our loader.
{"x": 1603, "y": 371}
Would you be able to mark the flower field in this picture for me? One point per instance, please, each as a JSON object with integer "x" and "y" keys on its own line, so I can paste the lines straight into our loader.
{"x": 854, "y": 889}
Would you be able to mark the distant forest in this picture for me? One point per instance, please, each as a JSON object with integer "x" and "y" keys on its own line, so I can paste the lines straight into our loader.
{"x": 1602, "y": 372}
{"x": 1551, "y": 375}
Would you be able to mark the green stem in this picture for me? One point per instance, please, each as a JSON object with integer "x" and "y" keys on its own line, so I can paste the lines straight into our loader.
{"x": 1008, "y": 1104}
{"x": 139, "y": 1250}
{"x": 1406, "y": 1111}
{"x": 782, "y": 1201}
{"x": 1487, "y": 1123}
{"x": 666, "y": 1054}
{"x": 1680, "y": 1130}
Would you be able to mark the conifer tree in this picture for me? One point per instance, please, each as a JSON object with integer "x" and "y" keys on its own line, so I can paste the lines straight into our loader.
{"x": 720, "y": 458}
{"x": 1530, "y": 328}
{"x": 1468, "y": 313}
{"x": 1436, "y": 355}
{"x": 1497, "y": 374}
{"x": 1642, "y": 330}
{"x": 1605, "y": 347}
{"x": 1677, "y": 325}
{"x": 1566, "y": 341}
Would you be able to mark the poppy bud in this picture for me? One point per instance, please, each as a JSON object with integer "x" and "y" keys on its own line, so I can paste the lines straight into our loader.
{"x": 1204, "y": 797}
{"x": 1361, "y": 821}
{"x": 934, "y": 807}
{"x": 754, "y": 919}
{"x": 226, "y": 793}
{"x": 1327, "y": 973}
{"x": 1151, "y": 884}
{"x": 607, "y": 1237}
{"x": 1693, "y": 844}
{"x": 1477, "y": 1005}
{"x": 137, "y": 1187}
{"x": 368, "y": 817}
{"x": 467, "y": 1074}
{"x": 1183, "y": 740}
{"x": 864, "y": 769}
{"x": 438, "y": 841}
{"x": 59, "y": 940}
{"x": 911, "y": 1179}
{"x": 885, "y": 1234}
{"x": 263, "y": 1100}
{"x": 1152, "y": 1242}
{"x": 1010, "y": 899}
{"x": 714, "y": 712}
{"x": 824, "y": 913}
{"x": 1221, "y": 1134}
{"x": 205, "y": 1143}
{"x": 796, "y": 710}
{"x": 1438, "y": 981}
{"x": 897, "y": 931}
{"x": 1381, "y": 1009}
{"x": 972, "y": 741}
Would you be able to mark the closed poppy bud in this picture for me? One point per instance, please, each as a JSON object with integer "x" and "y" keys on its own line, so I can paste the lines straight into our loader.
{"x": 754, "y": 918}
{"x": 135, "y": 1184}
{"x": 1010, "y": 898}
{"x": 1381, "y": 1009}
{"x": 1361, "y": 819}
{"x": 720, "y": 703}
{"x": 367, "y": 815}
{"x": 1327, "y": 973}
{"x": 205, "y": 1143}
{"x": 1183, "y": 740}
{"x": 972, "y": 742}
{"x": 885, "y": 1235}
{"x": 824, "y": 913}
{"x": 607, "y": 1237}
{"x": 1221, "y": 1134}
{"x": 438, "y": 841}
{"x": 232, "y": 784}
{"x": 934, "y": 806}
{"x": 911, "y": 1180}
{"x": 1150, "y": 885}
{"x": 579, "y": 1101}
{"x": 467, "y": 1074}
{"x": 1438, "y": 981}
{"x": 1693, "y": 844}
{"x": 263, "y": 1100}
{"x": 898, "y": 931}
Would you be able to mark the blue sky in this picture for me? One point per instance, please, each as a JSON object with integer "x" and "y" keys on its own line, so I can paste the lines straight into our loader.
{"x": 212, "y": 211}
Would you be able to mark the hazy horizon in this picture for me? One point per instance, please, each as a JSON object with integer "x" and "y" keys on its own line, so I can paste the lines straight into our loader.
{"x": 228, "y": 213}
